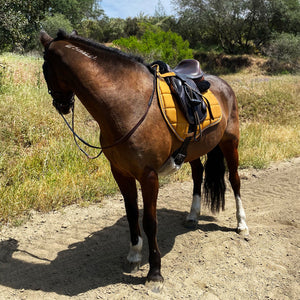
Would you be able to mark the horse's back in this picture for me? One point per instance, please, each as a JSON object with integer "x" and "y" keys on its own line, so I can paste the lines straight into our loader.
{"x": 228, "y": 102}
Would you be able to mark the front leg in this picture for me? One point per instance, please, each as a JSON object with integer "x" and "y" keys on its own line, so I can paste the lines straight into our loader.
{"x": 128, "y": 189}
{"x": 149, "y": 186}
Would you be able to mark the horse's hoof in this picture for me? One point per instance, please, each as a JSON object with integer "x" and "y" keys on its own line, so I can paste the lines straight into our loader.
{"x": 154, "y": 286}
{"x": 243, "y": 231}
{"x": 154, "y": 283}
{"x": 190, "y": 224}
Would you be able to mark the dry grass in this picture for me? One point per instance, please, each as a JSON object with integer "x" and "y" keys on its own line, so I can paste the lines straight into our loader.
{"x": 269, "y": 110}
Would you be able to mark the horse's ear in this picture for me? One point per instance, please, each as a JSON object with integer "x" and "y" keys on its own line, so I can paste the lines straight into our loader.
{"x": 74, "y": 32}
{"x": 45, "y": 38}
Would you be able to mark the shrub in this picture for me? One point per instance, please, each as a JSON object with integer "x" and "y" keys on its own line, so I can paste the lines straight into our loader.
{"x": 284, "y": 53}
{"x": 156, "y": 44}
{"x": 51, "y": 24}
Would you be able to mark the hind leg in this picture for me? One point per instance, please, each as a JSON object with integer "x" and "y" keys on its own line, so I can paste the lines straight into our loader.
{"x": 197, "y": 175}
{"x": 230, "y": 151}
{"x": 128, "y": 189}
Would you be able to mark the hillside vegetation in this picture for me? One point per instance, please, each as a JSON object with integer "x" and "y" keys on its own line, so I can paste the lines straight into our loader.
{"x": 41, "y": 168}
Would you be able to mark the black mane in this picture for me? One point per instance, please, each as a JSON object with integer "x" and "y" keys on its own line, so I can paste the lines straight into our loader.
{"x": 62, "y": 35}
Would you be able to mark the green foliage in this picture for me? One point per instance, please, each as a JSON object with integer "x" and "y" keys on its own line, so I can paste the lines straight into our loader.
{"x": 76, "y": 10}
{"x": 156, "y": 44}
{"x": 12, "y": 26}
{"x": 91, "y": 29}
{"x": 285, "y": 16}
{"x": 19, "y": 22}
{"x": 284, "y": 51}
{"x": 240, "y": 26}
{"x": 233, "y": 27}
{"x": 51, "y": 24}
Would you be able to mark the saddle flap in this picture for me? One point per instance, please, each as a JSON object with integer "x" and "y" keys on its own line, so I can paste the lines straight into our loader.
{"x": 189, "y": 99}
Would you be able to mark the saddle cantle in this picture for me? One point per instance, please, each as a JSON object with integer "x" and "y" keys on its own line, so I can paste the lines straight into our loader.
{"x": 190, "y": 68}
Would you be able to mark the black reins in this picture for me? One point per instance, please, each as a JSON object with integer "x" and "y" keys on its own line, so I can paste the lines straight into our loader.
{"x": 117, "y": 142}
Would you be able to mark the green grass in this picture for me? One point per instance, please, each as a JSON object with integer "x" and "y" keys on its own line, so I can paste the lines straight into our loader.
{"x": 41, "y": 168}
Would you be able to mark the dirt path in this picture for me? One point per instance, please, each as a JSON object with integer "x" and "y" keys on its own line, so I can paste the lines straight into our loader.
{"x": 79, "y": 252}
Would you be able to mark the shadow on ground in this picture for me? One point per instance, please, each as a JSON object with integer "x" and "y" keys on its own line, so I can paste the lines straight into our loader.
{"x": 97, "y": 261}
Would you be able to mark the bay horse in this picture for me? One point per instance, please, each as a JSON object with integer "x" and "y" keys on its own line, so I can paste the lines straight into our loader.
{"x": 118, "y": 91}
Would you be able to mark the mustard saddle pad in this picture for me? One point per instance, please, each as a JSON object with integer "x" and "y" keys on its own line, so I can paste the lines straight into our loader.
{"x": 176, "y": 119}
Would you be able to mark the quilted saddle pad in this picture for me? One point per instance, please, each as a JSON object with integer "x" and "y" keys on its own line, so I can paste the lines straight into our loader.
{"x": 176, "y": 119}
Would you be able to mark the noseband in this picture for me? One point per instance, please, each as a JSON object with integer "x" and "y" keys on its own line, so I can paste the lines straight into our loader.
{"x": 59, "y": 101}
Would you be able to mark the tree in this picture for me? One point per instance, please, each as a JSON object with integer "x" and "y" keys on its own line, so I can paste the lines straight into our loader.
{"x": 238, "y": 26}
{"x": 284, "y": 53}
{"x": 229, "y": 23}
{"x": 19, "y": 20}
{"x": 76, "y": 10}
{"x": 285, "y": 16}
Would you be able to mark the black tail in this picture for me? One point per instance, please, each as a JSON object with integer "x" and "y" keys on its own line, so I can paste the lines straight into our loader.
{"x": 214, "y": 184}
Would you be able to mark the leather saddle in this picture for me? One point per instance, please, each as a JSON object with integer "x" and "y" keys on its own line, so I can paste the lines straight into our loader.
{"x": 186, "y": 82}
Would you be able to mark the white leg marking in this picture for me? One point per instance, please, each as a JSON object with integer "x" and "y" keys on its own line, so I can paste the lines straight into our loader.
{"x": 195, "y": 209}
{"x": 241, "y": 217}
{"x": 135, "y": 252}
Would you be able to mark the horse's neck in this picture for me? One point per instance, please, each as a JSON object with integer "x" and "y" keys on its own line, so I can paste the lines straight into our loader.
{"x": 112, "y": 91}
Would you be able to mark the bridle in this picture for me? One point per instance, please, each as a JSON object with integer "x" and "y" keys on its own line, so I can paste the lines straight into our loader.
{"x": 66, "y": 105}
{"x": 60, "y": 104}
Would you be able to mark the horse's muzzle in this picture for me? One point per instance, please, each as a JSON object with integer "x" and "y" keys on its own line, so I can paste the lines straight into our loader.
{"x": 64, "y": 106}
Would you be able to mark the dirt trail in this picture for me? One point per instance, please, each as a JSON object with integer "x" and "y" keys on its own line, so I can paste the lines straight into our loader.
{"x": 79, "y": 252}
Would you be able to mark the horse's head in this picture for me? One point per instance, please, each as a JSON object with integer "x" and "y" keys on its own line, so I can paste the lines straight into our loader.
{"x": 63, "y": 97}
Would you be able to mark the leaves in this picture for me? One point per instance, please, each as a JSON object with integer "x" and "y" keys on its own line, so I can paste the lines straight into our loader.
{"x": 156, "y": 44}
{"x": 238, "y": 26}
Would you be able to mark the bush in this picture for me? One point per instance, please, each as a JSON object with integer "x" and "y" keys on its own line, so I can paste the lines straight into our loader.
{"x": 284, "y": 53}
{"x": 51, "y": 24}
{"x": 222, "y": 64}
{"x": 156, "y": 44}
